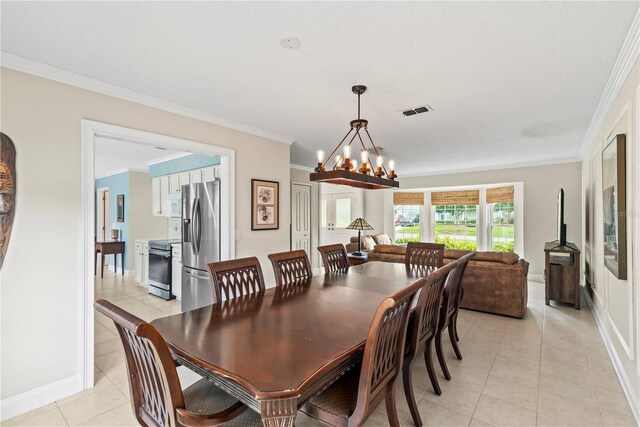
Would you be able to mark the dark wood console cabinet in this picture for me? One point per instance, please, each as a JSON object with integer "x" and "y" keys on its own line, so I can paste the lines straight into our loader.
{"x": 562, "y": 273}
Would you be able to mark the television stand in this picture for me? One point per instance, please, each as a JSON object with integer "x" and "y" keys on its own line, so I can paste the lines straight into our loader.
{"x": 562, "y": 273}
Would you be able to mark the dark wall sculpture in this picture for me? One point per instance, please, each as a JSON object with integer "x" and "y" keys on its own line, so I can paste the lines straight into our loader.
{"x": 7, "y": 191}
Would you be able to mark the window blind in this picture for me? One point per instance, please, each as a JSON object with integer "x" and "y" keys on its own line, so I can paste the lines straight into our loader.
{"x": 408, "y": 199}
{"x": 463, "y": 197}
{"x": 500, "y": 194}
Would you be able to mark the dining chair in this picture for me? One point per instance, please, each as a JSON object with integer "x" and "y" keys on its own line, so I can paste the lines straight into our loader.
{"x": 334, "y": 257}
{"x": 353, "y": 397}
{"x": 423, "y": 256}
{"x": 422, "y": 329}
{"x": 291, "y": 268}
{"x": 236, "y": 277}
{"x": 157, "y": 399}
{"x": 449, "y": 311}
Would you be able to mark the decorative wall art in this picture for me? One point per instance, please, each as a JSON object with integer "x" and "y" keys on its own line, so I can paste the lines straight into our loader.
{"x": 7, "y": 191}
{"x": 120, "y": 207}
{"x": 614, "y": 206}
{"x": 265, "y": 199}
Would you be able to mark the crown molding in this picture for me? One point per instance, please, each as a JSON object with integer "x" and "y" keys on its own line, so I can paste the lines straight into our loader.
{"x": 621, "y": 69}
{"x": 167, "y": 158}
{"x": 301, "y": 167}
{"x": 119, "y": 171}
{"x": 19, "y": 63}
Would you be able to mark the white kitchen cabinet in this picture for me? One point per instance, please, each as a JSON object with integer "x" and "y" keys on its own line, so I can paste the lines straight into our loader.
{"x": 176, "y": 271}
{"x": 208, "y": 174}
{"x": 156, "y": 208}
{"x": 142, "y": 262}
{"x": 195, "y": 176}
{"x": 138, "y": 252}
{"x": 185, "y": 179}
{"x": 174, "y": 184}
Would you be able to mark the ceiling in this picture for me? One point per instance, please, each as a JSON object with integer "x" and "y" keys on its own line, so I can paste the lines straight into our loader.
{"x": 113, "y": 155}
{"x": 509, "y": 82}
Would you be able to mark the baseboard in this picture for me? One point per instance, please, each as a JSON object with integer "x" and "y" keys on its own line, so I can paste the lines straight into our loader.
{"x": 126, "y": 272}
{"x": 536, "y": 277}
{"x": 634, "y": 403}
{"x": 33, "y": 399}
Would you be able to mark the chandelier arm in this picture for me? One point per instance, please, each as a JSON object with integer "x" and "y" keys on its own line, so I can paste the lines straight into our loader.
{"x": 375, "y": 149}
{"x": 336, "y": 149}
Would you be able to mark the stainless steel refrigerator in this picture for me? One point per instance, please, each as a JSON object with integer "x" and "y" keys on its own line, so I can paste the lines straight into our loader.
{"x": 200, "y": 241}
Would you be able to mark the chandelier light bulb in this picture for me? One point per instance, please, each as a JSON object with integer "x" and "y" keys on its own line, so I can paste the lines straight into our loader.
{"x": 379, "y": 161}
{"x": 392, "y": 165}
{"x": 320, "y": 155}
{"x": 347, "y": 152}
{"x": 337, "y": 160}
{"x": 364, "y": 156}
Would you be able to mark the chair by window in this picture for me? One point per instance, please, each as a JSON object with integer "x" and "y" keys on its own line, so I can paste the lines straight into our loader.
{"x": 334, "y": 257}
{"x": 449, "y": 311}
{"x": 236, "y": 277}
{"x": 353, "y": 397}
{"x": 156, "y": 396}
{"x": 291, "y": 268}
{"x": 424, "y": 256}
{"x": 422, "y": 329}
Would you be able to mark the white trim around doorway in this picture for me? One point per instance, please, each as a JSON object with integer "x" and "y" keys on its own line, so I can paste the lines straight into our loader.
{"x": 89, "y": 131}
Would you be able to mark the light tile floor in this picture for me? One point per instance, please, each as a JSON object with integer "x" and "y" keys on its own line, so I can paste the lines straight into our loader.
{"x": 549, "y": 369}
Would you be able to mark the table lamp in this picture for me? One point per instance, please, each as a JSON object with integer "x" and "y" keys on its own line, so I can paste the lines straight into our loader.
{"x": 359, "y": 224}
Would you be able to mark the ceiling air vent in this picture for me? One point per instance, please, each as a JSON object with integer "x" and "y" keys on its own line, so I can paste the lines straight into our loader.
{"x": 417, "y": 110}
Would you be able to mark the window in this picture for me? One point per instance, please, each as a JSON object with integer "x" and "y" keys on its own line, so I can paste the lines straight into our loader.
{"x": 406, "y": 220}
{"x": 501, "y": 227}
{"x": 456, "y": 226}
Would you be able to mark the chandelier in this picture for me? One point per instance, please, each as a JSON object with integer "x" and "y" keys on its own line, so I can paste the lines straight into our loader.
{"x": 343, "y": 170}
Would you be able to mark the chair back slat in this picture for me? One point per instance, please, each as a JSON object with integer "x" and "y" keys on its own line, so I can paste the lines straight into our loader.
{"x": 291, "y": 268}
{"x": 384, "y": 350}
{"x": 452, "y": 291}
{"x": 153, "y": 379}
{"x": 427, "y": 311}
{"x": 424, "y": 257}
{"x": 334, "y": 257}
{"x": 235, "y": 278}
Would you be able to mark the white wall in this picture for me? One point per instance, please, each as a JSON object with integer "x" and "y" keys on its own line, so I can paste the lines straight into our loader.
{"x": 616, "y": 301}
{"x": 540, "y": 187}
{"x": 42, "y": 272}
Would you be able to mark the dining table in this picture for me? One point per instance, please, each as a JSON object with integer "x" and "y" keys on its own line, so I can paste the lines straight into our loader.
{"x": 275, "y": 349}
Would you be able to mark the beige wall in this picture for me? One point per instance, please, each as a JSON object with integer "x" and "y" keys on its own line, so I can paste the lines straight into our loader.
{"x": 616, "y": 301}
{"x": 541, "y": 185}
{"x": 42, "y": 274}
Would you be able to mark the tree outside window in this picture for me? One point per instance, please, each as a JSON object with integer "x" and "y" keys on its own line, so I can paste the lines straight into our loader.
{"x": 502, "y": 215}
{"x": 456, "y": 226}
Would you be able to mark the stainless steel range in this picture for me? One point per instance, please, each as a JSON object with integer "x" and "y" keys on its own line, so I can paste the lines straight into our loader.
{"x": 160, "y": 268}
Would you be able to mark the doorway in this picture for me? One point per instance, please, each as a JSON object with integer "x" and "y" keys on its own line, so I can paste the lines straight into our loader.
{"x": 337, "y": 210}
{"x": 301, "y": 217}
{"x": 103, "y": 214}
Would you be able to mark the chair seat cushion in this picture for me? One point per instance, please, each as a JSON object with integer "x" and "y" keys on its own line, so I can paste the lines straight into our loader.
{"x": 204, "y": 398}
{"x": 340, "y": 397}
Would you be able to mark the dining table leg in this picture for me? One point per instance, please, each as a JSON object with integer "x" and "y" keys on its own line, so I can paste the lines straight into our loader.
{"x": 279, "y": 412}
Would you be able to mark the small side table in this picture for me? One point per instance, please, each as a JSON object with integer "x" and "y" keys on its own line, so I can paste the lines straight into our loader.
{"x": 562, "y": 273}
{"x": 112, "y": 247}
{"x": 357, "y": 259}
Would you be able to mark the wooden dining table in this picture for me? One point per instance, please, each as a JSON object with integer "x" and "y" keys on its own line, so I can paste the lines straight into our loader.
{"x": 275, "y": 349}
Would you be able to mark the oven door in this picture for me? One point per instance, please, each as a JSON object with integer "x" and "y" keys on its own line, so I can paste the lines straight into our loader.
{"x": 160, "y": 269}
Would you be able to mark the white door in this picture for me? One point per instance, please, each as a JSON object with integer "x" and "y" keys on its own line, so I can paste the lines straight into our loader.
{"x": 301, "y": 217}
{"x": 336, "y": 213}
{"x": 103, "y": 214}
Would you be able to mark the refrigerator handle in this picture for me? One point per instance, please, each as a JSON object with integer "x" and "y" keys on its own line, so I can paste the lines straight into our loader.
{"x": 192, "y": 229}
{"x": 186, "y": 236}
{"x": 197, "y": 236}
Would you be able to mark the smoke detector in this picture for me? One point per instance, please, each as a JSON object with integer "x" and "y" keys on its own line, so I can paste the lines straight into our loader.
{"x": 290, "y": 43}
{"x": 417, "y": 110}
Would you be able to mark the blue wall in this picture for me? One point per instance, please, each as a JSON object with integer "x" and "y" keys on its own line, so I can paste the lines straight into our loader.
{"x": 192, "y": 161}
{"x": 117, "y": 184}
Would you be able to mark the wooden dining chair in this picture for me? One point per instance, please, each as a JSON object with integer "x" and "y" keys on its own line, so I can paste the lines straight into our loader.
{"x": 422, "y": 329}
{"x": 156, "y": 396}
{"x": 423, "y": 256}
{"x": 334, "y": 257}
{"x": 354, "y": 396}
{"x": 236, "y": 277}
{"x": 449, "y": 311}
{"x": 291, "y": 268}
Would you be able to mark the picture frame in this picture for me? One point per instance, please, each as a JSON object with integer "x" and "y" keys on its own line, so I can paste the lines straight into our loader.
{"x": 265, "y": 205}
{"x": 614, "y": 206}
{"x": 120, "y": 208}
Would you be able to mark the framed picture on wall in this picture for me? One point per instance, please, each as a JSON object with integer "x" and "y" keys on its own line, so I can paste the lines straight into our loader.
{"x": 120, "y": 207}
{"x": 265, "y": 202}
{"x": 614, "y": 206}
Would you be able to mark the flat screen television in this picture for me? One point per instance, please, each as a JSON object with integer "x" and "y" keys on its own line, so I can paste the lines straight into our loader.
{"x": 562, "y": 227}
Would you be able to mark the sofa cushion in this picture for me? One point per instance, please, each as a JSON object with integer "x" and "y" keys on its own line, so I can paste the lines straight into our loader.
{"x": 367, "y": 243}
{"x": 508, "y": 258}
{"x": 390, "y": 249}
{"x": 382, "y": 239}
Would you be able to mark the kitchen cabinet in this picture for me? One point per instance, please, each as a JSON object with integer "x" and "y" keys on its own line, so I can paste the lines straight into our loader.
{"x": 165, "y": 186}
{"x": 176, "y": 271}
{"x": 174, "y": 184}
{"x": 195, "y": 176}
{"x": 160, "y": 188}
{"x": 208, "y": 174}
{"x": 142, "y": 262}
{"x": 184, "y": 179}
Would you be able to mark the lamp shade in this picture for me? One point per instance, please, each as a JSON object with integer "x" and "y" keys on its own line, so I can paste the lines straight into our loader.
{"x": 359, "y": 224}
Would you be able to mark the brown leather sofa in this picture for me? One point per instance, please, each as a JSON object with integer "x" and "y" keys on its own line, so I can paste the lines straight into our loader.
{"x": 494, "y": 282}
